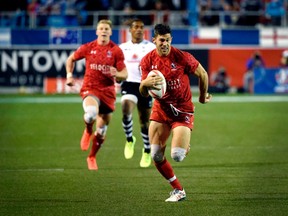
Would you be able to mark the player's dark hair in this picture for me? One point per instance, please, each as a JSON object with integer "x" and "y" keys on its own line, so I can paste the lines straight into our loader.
{"x": 133, "y": 21}
{"x": 161, "y": 29}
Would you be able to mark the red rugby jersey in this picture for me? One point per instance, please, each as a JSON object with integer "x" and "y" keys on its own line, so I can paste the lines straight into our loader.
{"x": 98, "y": 60}
{"x": 176, "y": 68}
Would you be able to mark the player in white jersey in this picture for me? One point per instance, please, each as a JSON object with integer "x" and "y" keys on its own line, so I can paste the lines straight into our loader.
{"x": 134, "y": 50}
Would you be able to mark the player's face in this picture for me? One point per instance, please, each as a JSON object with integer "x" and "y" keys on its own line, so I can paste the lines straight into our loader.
{"x": 103, "y": 31}
{"x": 163, "y": 44}
{"x": 137, "y": 31}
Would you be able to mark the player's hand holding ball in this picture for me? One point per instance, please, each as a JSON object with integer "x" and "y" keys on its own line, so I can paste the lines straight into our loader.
{"x": 157, "y": 84}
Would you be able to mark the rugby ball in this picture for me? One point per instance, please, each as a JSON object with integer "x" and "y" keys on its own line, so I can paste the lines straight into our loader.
{"x": 154, "y": 92}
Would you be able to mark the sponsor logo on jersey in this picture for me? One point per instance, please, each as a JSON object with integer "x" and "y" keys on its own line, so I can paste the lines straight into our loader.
{"x": 173, "y": 66}
{"x": 109, "y": 54}
{"x": 173, "y": 84}
{"x": 134, "y": 56}
{"x": 105, "y": 69}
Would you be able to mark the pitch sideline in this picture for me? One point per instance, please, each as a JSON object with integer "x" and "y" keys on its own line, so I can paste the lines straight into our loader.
{"x": 77, "y": 99}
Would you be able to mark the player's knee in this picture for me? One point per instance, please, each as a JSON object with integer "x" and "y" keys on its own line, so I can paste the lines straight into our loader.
{"x": 129, "y": 97}
{"x": 156, "y": 153}
{"x": 90, "y": 114}
{"x": 178, "y": 154}
{"x": 157, "y": 157}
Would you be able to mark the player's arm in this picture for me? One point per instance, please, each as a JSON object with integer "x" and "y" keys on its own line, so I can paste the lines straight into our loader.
{"x": 70, "y": 64}
{"x": 143, "y": 89}
{"x": 119, "y": 75}
{"x": 202, "y": 75}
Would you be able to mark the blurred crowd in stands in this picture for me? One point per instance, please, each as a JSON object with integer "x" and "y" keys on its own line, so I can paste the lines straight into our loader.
{"x": 82, "y": 12}
{"x": 243, "y": 12}
{"x": 20, "y": 13}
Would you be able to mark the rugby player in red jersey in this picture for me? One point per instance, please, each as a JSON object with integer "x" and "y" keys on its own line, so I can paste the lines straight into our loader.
{"x": 174, "y": 112}
{"x": 104, "y": 62}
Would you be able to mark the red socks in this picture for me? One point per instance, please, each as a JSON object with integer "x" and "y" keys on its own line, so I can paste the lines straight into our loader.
{"x": 166, "y": 171}
{"x": 96, "y": 144}
{"x": 89, "y": 127}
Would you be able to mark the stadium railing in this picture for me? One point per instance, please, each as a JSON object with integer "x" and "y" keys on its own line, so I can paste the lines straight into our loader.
{"x": 175, "y": 18}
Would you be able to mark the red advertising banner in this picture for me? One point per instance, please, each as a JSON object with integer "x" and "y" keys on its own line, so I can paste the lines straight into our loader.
{"x": 58, "y": 85}
{"x": 234, "y": 61}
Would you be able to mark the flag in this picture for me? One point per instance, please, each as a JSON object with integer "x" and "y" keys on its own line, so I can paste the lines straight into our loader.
{"x": 64, "y": 36}
{"x": 205, "y": 36}
{"x": 274, "y": 37}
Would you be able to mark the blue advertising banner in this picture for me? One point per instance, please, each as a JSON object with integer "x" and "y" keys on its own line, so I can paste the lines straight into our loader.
{"x": 181, "y": 36}
{"x": 264, "y": 37}
{"x": 70, "y": 36}
{"x": 281, "y": 77}
{"x": 271, "y": 80}
{"x": 5, "y": 37}
{"x": 240, "y": 37}
{"x": 29, "y": 37}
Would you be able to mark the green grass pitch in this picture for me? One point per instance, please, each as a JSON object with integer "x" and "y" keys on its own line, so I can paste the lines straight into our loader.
{"x": 238, "y": 163}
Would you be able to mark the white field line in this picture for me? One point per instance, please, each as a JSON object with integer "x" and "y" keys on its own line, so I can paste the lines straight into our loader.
{"x": 215, "y": 99}
{"x": 41, "y": 100}
{"x": 33, "y": 170}
{"x": 239, "y": 99}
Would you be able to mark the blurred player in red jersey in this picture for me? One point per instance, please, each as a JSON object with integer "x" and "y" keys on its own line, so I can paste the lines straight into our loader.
{"x": 174, "y": 112}
{"x": 104, "y": 64}
{"x": 134, "y": 50}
